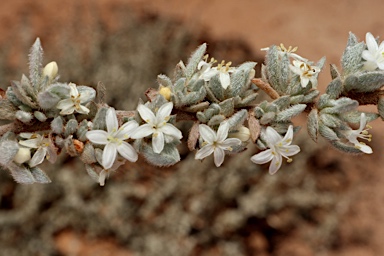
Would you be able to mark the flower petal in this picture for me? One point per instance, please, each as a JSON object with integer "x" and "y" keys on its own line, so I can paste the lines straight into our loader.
{"x": 127, "y": 151}
{"x": 97, "y": 137}
{"x": 82, "y": 110}
{"x": 273, "y": 137}
{"x": 31, "y": 143}
{"x": 371, "y": 42}
{"x": 262, "y": 157}
{"x": 288, "y": 136}
{"x": 146, "y": 114}
{"x": 102, "y": 176}
{"x": 204, "y": 151}
{"x": 275, "y": 164}
{"x": 164, "y": 112}
{"x": 304, "y": 81}
{"x": 126, "y": 130}
{"x": 207, "y": 133}
{"x": 218, "y": 156}
{"x": 364, "y": 148}
{"x": 109, "y": 155}
{"x": 225, "y": 79}
{"x": 158, "y": 142}
{"x": 73, "y": 90}
{"x": 111, "y": 121}
{"x": 64, "y": 104}
{"x": 142, "y": 131}
{"x": 38, "y": 157}
{"x": 171, "y": 130}
{"x": 222, "y": 132}
{"x": 230, "y": 143}
{"x": 289, "y": 150}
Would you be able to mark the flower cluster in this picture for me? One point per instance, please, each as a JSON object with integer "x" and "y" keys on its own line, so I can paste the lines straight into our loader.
{"x": 217, "y": 105}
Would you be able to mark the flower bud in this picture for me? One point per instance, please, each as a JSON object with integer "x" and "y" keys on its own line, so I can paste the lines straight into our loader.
{"x": 22, "y": 156}
{"x": 165, "y": 92}
{"x": 50, "y": 70}
{"x": 242, "y": 133}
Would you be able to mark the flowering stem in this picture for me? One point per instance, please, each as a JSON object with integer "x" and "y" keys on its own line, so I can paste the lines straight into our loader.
{"x": 266, "y": 87}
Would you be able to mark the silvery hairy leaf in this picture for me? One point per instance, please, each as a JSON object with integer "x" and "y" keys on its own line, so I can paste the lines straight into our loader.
{"x": 347, "y": 148}
{"x": 40, "y": 116}
{"x": 71, "y": 127}
{"x": 327, "y": 132}
{"x": 215, "y": 86}
{"x": 99, "y": 120}
{"x": 282, "y": 102}
{"x": 284, "y": 72}
{"x": 7, "y": 110}
{"x": 164, "y": 80}
{"x": 191, "y": 98}
{"x": 296, "y": 99}
{"x": 310, "y": 96}
{"x": 273, "y": 67}
{"x": 40, "y": 176}
{"x": 197, "y": 107}
{"x": 82, "y": 130}
{"x": 237, "y": 119}
{"x": 334, "y": 72}
{"x": 352, "y": 40}
{"x": 365, "y": 82}
{"x": 240, "y": 79}
{"x": 246, "y": 101}
{"x": 27, "y": 86}
{"x": 88, "y": 154}
{"x": 351, "y": 59}
{"x": 35, "y": 64}
{"x": 335, "y": 88}
{"x": 21, "y": 174}
{"x": 342, "y": 105}
{"x": 57, "y": 125}
{"x": 216, "y": 120}
{"x": 89, "y": 93}
{"x": 330, "y": 120}
{"x": 47, "y": 100}
{"x": 355, "y": 116}
{"x": 194, "y": 60}
{"x": 267, "y": 118}
{"x": 313, "y": 124}
{"x": 290, "y": 112}
{"x": 8, "y": 151}
{"x": 22, "y": 95}
{"x": 227, "y": 107}
{"x": 167, "y": 157}
{"x": 92, "y": 172}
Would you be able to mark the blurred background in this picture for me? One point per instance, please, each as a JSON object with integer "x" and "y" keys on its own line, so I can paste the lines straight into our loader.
{"x": 324, "y": 203}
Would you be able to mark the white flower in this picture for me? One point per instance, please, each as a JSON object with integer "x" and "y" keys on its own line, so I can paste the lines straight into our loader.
{"x": 206, "y": 68}
{"x": 374, "y": 56}
{"x": 68, "y": 106}
{"x": 113, "y": 139}
{"x": 216, "y": 143}
{"x": 306, "y": 72}
{"x": 42, "y": 144}
{"x": 157, "y": 126}
{"x": 361, "y": 133}
{"x": 222, "y": 69}
{"x": 278, "y": 147}
{"x": 290, "y": 51}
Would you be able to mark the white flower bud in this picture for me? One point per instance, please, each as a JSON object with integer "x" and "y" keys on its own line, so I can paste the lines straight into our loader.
{"x": 243, "y": 134}
{"x": 50, "y": 70}
{"x": 22, "y": 156}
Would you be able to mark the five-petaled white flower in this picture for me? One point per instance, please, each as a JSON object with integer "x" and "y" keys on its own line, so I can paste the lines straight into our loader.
{"x": 216, "y": 143}
{"x": 113, "y": 139}
{"x": 306, "y": 72}
{"x": 157, "y": 126}
{"x": 361, "y": 133}
{"x": 68, "y": 106}
{"x": 279, "y": 147}
{"x": 42, "y": 144}
{"x": 374, "y": 56}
